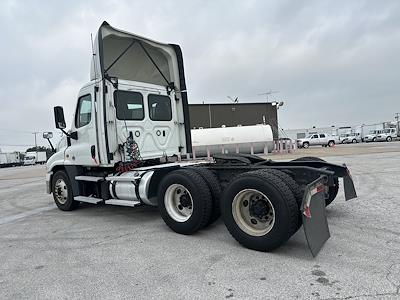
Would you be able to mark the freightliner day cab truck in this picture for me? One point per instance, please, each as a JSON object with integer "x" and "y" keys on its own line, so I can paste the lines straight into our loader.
{"x": 130, "y": 144}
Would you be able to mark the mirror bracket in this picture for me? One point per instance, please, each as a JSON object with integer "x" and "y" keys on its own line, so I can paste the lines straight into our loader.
{"x": 71, "y": 135}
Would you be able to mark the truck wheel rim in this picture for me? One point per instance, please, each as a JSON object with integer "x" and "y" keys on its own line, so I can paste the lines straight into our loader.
{"x": 253, "y": 212}
{"x": 178, "y": 202}
{"x": 61, "y": 191}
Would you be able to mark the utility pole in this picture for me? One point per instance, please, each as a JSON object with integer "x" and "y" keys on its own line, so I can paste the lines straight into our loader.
{"x": 35, "y": 133}
{"x": 397, "y": 123}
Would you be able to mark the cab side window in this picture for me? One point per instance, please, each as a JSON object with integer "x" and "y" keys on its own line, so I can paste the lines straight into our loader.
{"x": 83, "y": 111}
{"x": 322, "y": 135}
{"x": 315, "y": 136}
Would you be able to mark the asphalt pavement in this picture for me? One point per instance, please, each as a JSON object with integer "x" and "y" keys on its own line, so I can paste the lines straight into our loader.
{"x": 108, "y": 252}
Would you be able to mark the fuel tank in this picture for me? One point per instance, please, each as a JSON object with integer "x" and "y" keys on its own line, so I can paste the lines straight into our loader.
{"x": 132, "y": 186}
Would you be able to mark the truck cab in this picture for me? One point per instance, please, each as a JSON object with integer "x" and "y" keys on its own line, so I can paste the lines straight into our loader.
{"x": 352, "y": 137}
{"x": 137, "y": 94}
{"x": 372, "y": 136}
{"x": 30, "y": 159}
{"x": 387, "y": 135}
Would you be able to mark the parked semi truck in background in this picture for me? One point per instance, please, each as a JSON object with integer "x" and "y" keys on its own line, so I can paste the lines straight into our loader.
{"x": 32, "y": 158}
{"x": 10, "y": 159}
{"x": 387, "y": 135}
{"x": 130, "y": 144}
{"x": 372, "y": 136}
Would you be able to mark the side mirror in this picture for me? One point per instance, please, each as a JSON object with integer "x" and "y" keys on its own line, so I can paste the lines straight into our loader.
{"x": 47, "y": 135}
{"x": 59, "y": 117}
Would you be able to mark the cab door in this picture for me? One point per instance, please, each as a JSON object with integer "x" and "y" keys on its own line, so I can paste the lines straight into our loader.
{"x": 314, "y": 139}
{"x": 83, "y": 150}
{"x": 323, "y": 139}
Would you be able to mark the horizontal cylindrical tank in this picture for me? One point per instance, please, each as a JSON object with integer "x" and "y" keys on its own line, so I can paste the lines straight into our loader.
{"x": 232, "y": 139}
{"x": 126, "y": 187}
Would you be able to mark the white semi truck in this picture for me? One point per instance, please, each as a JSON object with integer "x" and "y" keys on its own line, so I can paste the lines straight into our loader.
{"x": 130, "y": 144}
{"x": 32, "y": 158}
{"x": 10, "y": 159}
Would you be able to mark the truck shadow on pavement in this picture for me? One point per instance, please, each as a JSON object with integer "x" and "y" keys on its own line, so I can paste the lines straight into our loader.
{"x": 120, "y": 213}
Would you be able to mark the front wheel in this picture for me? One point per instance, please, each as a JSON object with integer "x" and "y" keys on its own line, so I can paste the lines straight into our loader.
{"x": 259, "y": 210}
{"x": 374, "y": 139}
{"x": 389, "y": 139}
{"x": 331, "y": 143}
{"x": 62, "y": 192}
{"x": 306, "y": 145}
{"x": 354, "y": 141}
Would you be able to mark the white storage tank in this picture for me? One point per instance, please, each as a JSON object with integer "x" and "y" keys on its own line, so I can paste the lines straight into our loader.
{"x": 232, "y": 138}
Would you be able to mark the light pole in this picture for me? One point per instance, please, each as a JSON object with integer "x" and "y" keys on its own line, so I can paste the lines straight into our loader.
{"x": 35, "y": 133}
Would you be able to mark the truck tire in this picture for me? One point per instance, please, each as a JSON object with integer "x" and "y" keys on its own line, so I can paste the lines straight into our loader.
{"x": 389, "y": 139}
{"x": 215, "y": 188}
{"x": 259, "y": 210}
{"x": 354, "y": 141}
{"x": 374, "y": 139}
{"x": 333, "y": 190}
{"x": 62, "y": 192}
{"x": 293, "y": 187}
{"x": 184, "y": 201}
{"x": 290, "y": 182}
{"x": 306, "y": 145}
{"x": 331, "y": 143}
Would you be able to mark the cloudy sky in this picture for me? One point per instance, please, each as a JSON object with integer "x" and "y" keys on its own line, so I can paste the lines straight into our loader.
{"x": 333, "y": 62}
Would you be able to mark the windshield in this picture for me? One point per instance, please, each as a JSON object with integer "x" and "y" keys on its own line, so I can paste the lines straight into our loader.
{"x": 29, "y": 157}
{"x": 372, "y": 132}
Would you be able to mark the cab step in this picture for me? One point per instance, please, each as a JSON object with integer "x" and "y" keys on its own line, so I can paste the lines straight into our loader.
{"x": 92, "y": 200}
{"x": 123, "y": 202}
{"x": 89, "y": 178}
{"x": 123, "y": 179}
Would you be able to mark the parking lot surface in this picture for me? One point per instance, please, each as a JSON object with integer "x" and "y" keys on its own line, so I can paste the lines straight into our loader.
{"x": 111, "y": 252}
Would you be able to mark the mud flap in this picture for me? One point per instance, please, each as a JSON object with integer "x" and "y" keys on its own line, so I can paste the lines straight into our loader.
{"x": 349, "y": 189}
{"x": 315, "y": 223}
